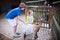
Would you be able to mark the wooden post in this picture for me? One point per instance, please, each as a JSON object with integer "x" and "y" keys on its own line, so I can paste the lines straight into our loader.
{"x": 51, "y": 16}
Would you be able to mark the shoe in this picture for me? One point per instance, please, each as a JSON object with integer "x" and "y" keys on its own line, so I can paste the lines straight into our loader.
{"x": 16, "y": 35}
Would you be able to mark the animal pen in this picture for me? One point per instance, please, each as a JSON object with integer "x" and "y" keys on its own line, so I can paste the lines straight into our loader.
{"x": 43, "y": 13}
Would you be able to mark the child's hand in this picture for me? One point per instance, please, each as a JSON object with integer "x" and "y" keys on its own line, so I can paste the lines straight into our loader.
{"x": 24, "y": 22}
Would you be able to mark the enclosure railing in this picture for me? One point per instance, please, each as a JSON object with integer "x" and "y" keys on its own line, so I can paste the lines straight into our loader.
{"x": 41, "y": 11}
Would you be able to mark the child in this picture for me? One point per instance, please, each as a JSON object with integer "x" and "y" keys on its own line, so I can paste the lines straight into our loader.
{"x": 29, "y": 27}
{"x": 12, "y": 14}
{"x": 29, "y": 17}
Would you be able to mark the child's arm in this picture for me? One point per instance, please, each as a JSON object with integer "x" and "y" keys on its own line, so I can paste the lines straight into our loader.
{"x": 19, "y": 18}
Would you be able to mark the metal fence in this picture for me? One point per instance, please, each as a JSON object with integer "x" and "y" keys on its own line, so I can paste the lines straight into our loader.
{"x": 40, "y": 11}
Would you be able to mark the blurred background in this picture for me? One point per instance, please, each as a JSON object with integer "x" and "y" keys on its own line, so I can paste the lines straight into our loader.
{"x": 38, "y": 7}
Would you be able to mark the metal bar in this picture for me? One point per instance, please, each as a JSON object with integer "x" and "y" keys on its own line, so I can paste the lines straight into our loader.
{"x": 32, "y": 1}
{"x": 56, "y": 2}
{"x": 38, "y": 6}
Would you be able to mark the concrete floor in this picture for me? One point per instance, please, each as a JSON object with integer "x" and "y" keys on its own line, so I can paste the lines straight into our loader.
{"x": 7, "y": 30}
